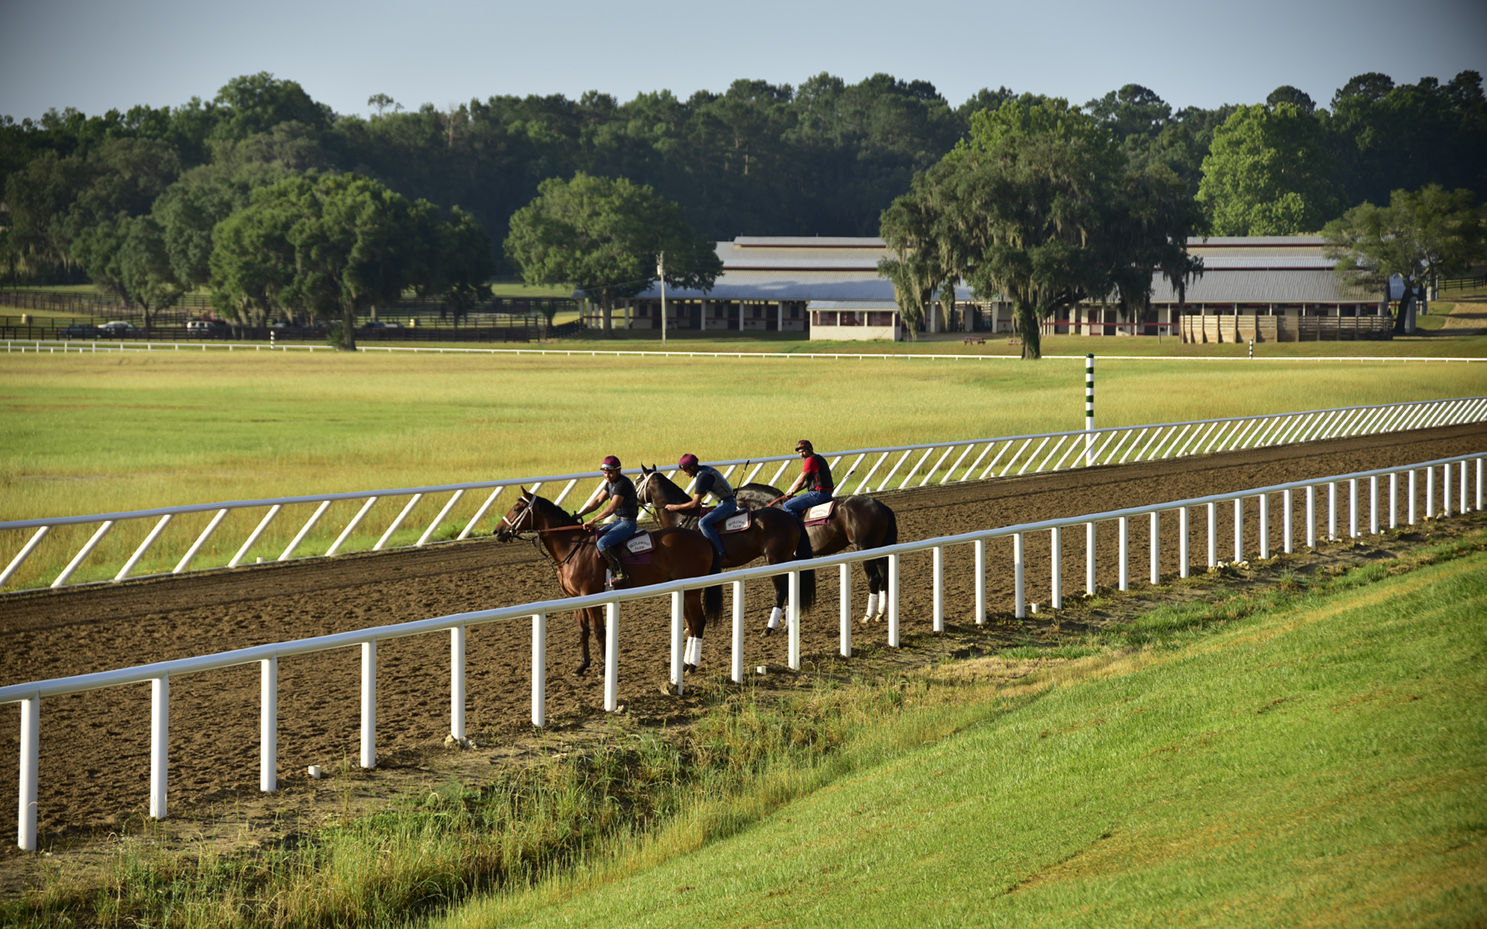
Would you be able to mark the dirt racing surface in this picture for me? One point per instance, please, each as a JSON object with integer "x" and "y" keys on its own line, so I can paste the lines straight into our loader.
{"x": 95, "y": 746}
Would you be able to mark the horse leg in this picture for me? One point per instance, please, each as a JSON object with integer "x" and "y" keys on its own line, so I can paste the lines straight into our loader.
{"x": 781, "y": 597}
{"x": 583, "y": 640}
{"x": 696, "y": 622}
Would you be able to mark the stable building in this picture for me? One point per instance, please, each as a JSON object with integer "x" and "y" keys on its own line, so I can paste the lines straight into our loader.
{"x": 1271, "y": 288}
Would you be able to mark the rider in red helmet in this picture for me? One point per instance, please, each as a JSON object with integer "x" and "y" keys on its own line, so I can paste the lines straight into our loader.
{"x": 815, "y": 475}
{"x": 707, "y": 481}
{"x": 618, "y": 498}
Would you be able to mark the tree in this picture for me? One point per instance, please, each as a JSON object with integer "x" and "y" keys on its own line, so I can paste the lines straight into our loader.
{"x": 604, "y": 235}
{"x": 1038, "y": 208}
{"x": 1420, "y": 236}
{"x": 1268, "y": 172}
{"x": 331, "y": 247}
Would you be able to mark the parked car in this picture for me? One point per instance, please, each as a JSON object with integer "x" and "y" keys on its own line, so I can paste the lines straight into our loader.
{"x": 205, "y": 328}
{"x": 118, "y": 328}
{"x": 80, "y": 332}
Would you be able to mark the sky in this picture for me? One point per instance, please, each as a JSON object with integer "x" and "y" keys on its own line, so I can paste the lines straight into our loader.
{"x": 96, "y": 55}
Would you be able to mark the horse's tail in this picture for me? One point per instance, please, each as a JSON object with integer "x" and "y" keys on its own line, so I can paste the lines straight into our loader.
{"x": 877, "y": 568}
{"x": 712, "y": 602}
{"x": 804, "y": 552}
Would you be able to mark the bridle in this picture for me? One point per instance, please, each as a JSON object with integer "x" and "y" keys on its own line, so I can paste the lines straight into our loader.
{"x": 535, "y": 534}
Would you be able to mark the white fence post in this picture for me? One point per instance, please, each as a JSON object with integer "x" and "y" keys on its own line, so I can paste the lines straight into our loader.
{"x": 1311, "y": 516}
{"x": 937, "y": 571}
{"x": 268, "y": 726}
{"x": 1156, "y": 547}
{"x": 159, "y": 744}
{"x": 1213, "y": 537}
{"x": 1238, "y": 530}
{"x": 1125, "y": 553}
{"x": 457, "y": 682}
{"x": 1287, "y": 520}
{"x": 369, "y": 704}
{"x": 1055, "y": 581}
{"x": 677, "y": 624}
{"x": 844, "y": 612}
{"x": 1183, "y": 541}
{"x": 979, "y": 557}
{"x": 1089, "y": 558}
{"x": 792, "y": 616}
{"x": 1019, "y": 578}
{"x": 539, "y": 670}
{"x": 30, "y": 765}
{"x": 738, "y": 631}
{"x": 611, "y": 656}
{"x": 893, "y": 601}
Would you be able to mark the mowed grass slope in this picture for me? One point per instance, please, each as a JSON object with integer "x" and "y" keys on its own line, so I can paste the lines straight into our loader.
{"x": 1320, "y": 764}
{"x": 82, "y": 434}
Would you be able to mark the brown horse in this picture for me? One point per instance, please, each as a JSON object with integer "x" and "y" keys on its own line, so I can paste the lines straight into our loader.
{"x": 774, "y": 535}
{"x": 855, "y": 520}
{"x": 678, "y": 553}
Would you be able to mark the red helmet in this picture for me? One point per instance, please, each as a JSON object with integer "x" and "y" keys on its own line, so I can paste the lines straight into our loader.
{"x": 689, "y": 460}
{"x": 804, "y": 444}
{"x": 610, "y": 463}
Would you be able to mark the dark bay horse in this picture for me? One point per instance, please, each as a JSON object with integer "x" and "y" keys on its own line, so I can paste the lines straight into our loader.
{"x": 774, "y": 535}
{"x": 678, "y": 553}
{"x": 855, "y": 520}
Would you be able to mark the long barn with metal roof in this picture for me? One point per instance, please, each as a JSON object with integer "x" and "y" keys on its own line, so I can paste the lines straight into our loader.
{"x": 1278, "y": 288}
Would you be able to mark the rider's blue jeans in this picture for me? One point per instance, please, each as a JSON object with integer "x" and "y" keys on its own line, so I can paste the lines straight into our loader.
{"x": 797, "y": 505}
{"x": 709, "y": 523}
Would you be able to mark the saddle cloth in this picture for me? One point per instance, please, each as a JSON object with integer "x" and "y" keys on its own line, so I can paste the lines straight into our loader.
{"x": 638, "y": 545}
{"x": 738, "y": 522}
{"x": 820, "y": 513}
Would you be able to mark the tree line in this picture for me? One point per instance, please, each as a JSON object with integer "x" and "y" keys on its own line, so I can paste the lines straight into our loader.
{"x": 133, "y": 200}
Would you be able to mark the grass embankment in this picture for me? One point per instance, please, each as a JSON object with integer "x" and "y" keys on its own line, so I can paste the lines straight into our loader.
{"x": 1311, "y": 752}
{"x": 119, "y": 432}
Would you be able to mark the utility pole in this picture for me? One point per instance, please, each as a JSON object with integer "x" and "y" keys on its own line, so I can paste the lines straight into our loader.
{"x": 661, "y": 276}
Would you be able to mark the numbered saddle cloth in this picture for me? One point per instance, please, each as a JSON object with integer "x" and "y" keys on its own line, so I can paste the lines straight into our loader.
{"x": 738, "y": 522}
{"x": 820, "y": 513}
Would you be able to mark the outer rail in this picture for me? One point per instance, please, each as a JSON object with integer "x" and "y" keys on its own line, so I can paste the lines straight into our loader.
{"x": 30, "y": 695}
{"x": 864, "y": 470}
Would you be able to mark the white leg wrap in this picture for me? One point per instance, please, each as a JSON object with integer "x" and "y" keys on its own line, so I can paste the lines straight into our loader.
{"x": 774, "y": 617}
{"x": 696, "y": 652}
{"x": 872, "y": 606}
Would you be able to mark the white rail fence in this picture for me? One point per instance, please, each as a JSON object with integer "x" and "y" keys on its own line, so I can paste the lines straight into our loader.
{"x": 865, "y": 470}
{"x": 1457, "y": 476}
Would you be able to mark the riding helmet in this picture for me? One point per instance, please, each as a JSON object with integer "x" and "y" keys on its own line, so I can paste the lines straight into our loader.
{"x": 611, "y": 463}
{"x": 689, "y": 460}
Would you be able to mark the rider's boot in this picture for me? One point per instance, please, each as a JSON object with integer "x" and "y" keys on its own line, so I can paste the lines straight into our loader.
{"x": 717, "y": 561}
{"x": 615, "y": 568}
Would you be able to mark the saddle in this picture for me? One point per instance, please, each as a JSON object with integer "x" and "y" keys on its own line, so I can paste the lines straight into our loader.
{"x": 738, "y": 522}
{"x": 820, "y": 514}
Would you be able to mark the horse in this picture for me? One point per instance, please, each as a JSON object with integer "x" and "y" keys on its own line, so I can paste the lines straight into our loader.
{"x": 678, "y": 553}
{"x": 772, "y": 534}
{"x": 855, "y": 520}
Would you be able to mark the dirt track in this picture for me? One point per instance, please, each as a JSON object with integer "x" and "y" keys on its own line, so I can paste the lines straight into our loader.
{"x": 94, "y": 761}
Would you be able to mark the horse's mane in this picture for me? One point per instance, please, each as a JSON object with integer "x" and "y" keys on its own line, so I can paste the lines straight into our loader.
{"x": 668, "y": 488}
{"x": 552, "y": 512}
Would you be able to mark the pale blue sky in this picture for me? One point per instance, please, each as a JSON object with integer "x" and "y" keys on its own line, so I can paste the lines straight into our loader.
{"x": 96, "y": 55}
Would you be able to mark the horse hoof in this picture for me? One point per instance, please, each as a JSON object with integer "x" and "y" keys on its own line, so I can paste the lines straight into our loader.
{"x": 580, "y": 670}
{"x": 688, "y": 668}
{"x": 769, "y": 630}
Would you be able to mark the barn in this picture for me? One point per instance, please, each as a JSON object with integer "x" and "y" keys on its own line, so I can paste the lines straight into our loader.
{"x": 1271, "y": 288}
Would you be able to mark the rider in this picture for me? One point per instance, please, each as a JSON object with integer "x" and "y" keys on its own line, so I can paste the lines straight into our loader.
{"x": 815, "y": 475}
{"x": 620, "y": 492}
{"x": 709, "y": 480}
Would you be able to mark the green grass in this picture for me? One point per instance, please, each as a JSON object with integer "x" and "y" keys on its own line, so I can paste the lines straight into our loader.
{"x": 1319, "y": 762}
{"x": 90, "y": 433}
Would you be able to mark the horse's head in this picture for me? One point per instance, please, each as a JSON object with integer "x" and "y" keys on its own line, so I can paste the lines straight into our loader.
{"x": 656, "y": 489}
{"x": 521, "y": 517}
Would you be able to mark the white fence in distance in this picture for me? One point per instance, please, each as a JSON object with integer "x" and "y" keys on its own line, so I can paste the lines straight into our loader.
{"x": 865, "y": 470}
{"x": 1467, "y": 471}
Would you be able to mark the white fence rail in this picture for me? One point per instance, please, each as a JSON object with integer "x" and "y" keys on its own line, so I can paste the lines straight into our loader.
{"x": 1457, "y": 476}
{"x": 865, "y": 470}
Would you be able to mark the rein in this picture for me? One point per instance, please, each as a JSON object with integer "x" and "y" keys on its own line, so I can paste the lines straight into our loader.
{"x": 536, "y": 534}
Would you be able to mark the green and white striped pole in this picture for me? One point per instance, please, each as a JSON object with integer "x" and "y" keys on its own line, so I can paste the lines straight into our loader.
{"x": 1089, "y": 410}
